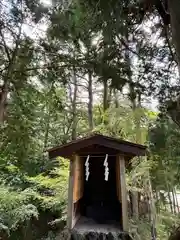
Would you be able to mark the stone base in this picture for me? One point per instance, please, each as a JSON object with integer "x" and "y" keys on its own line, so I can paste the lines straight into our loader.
{"x": 88, "y": 229}
{"x": 99, "y": 236}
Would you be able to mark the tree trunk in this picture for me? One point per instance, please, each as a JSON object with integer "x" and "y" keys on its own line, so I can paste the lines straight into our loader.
{"x": 105, "y": 95}
{"x": 27, "y": 230}
{"x": 48, "y": 119}
{"x": 170, "y": 200}
{"x": 177, "y": 203}
{"x": 116, "y": 102}
{"x": 158, "y": 200}
{"x": 90, "y": 103}
{"x": 46, "y": 135}
{"x": 152, "y": 211}
{"x": 174, "y": 201}
{"x": 74, "y": 106}
{"x": 174, "y": 10}
{"x": 3, "y": 102}
{"x": 135, "y": 204}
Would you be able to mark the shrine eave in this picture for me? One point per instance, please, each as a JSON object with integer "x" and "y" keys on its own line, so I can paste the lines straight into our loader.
{"x": 109, "y": 143}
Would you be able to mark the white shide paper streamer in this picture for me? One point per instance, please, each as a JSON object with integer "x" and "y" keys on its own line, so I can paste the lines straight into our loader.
{"x": 106, "y": 168}
{"x": 87, "y": 168}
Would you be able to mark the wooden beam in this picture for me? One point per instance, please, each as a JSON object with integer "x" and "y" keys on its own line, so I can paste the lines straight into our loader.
{"x": 70, "y": 195}
{"x": 124, "y": 200}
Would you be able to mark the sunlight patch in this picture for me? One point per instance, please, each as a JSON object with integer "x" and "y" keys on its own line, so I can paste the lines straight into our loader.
{"x": 46, "y": 2}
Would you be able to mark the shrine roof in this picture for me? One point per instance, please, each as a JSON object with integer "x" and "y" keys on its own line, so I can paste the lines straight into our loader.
{"x": 108, "y": 144}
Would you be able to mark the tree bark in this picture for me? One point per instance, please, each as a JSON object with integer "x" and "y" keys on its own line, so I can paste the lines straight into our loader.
{"x": 105, "y": 95}
{"x": 116, "y": 102}
{"x": 90, "y": 103}
{"x": 174, "y": 10}
{"x": 177, "y": 203}
{"x": 174, "y": 201}
{"x": 74, "y": 106}
{"x": 135, "y": 203}
{"x": 46, "y": 135}
{"x": 152, "y": 211}
{"x": 3, "y": 102}
{"x": 47, "y": 121}
{"x": 170, "y": 200}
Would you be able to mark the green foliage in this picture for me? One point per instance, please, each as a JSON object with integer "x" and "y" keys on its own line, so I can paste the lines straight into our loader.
{"x": 15, "y": 209}
{"x": 27, "y": 197}
{"x": 139, "y": 229}
{"x": 43, "y": 50}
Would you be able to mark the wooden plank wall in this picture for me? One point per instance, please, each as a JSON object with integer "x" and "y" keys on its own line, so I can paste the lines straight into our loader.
{"x": 78, "y": 179}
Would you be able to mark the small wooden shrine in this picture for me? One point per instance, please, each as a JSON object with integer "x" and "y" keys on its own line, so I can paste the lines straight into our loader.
{"x": 97, "y": 185}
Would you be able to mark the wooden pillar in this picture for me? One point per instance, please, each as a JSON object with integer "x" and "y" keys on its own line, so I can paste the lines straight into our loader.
{"x": 70, "y": 195}
{"x": 78, "y": 179}
{"x": 124, "y": 200}
{"x": 75, "y": 190}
